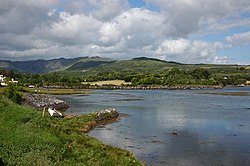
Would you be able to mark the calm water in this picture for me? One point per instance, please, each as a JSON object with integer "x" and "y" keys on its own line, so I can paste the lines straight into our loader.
{"x": 178, "y": 127}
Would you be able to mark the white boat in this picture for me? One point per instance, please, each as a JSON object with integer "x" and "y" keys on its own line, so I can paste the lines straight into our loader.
{"x": 54, "y": 112}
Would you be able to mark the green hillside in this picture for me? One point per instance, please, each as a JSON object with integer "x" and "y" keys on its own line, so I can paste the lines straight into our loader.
{"x": 87, "y": 63}
{"x": 148, "y": 66}
{"x": 139, "y": 71}
{"x": 137, "y": 65}
{"x": 153, "y": 71}
{"x": 52, "y": 65}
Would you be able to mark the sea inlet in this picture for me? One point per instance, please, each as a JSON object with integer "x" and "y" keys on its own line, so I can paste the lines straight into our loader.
{"x": 175, "y": 127}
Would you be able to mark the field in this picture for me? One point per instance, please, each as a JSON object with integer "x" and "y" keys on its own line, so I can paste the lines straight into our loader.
{"x": 57, "y": 91}
{"x": 110, "y": 82}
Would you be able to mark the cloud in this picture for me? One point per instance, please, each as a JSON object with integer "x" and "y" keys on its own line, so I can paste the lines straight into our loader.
{"x": 20, "y": 17}
{"x": 190, "y": 16}
{"x": 55, "y": 28}
{"x": 239, "y": 39}
{"x": 224, "y": 26}
{"x": 108, "y": 9}
{"x": 103, "y": 10}
{"x": 184, "y": 51}
{"x": 137, "y": 27}
{"x": 75, "y": 6}
{"x": 73, "y": 29}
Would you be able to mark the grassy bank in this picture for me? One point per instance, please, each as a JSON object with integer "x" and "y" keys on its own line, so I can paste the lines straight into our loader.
{"x": 57, "y": 91}
{"x": 27, "y": 138}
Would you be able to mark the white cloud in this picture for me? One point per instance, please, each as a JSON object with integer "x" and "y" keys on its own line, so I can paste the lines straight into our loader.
{"x": 137, "y": 27}
{"x": 224, "y": 26}
{"x": 190, "y": 16}
{"x": 103, "y": 10}
{"x": 20, "y": 17}
{"x": 108, "y": 9}
{"x": 184, "y": 51}
{"x": 239, "y": 39}
{"x": 74, "y": 29}
{"x": 75, "y": 6}
{"x": 111, "y": 28}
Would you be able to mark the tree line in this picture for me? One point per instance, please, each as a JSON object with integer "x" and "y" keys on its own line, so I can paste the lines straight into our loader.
{"x": 175, "y": 76}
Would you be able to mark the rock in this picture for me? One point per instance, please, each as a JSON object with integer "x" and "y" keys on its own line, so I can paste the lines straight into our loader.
{"x": 40, "y": 101}
{"x": 174, "y": 133}
{"x": 106, "y": 114}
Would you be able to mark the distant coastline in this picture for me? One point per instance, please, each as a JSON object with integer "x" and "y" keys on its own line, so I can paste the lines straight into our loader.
{"x": 140, "y": 87}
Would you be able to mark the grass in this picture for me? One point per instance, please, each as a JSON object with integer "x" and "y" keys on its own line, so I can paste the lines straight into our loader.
{"x": 110, "y": 82}
{"x": 57, "y": 91}
{"x": 2, "y": 89}
{"x": 27, "y": 138}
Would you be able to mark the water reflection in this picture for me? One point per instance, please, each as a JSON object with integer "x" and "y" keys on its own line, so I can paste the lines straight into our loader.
{"x": 175, "y": 127}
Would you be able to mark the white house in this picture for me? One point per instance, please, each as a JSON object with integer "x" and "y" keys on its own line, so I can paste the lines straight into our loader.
{"x": 2, "y": 78}
{"x": 3, "y": 81}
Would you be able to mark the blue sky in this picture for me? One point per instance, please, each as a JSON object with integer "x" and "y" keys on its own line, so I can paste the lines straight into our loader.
{"x": 143, "y": 4}
{"x": 193, "y": 31}
{"x": 137, "y": 3}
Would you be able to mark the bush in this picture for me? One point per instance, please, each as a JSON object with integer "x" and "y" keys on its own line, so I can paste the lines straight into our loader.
{"x": 12, "y": 92}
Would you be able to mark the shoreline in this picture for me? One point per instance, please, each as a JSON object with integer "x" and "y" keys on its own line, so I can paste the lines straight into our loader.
{"x": 100, "y": 118}
{"x": 83, "y": 124}
{"x": 37, "y": 139}
{"x": 139, "y": 87}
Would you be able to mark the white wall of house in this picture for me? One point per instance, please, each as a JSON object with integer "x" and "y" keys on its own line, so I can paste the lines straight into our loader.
{"x": 2, "y": 78}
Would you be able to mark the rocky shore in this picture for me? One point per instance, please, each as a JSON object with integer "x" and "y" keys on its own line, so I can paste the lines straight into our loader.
{"x": 152, "y": 87}
{"x": 140, "y": 87}
{"x": 100, "y": 118}
{"x": 41, "y": 101}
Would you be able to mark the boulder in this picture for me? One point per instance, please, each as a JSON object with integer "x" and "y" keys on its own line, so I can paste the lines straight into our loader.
{"x": 40, "y": 101}
{"x": 106, "y": 114}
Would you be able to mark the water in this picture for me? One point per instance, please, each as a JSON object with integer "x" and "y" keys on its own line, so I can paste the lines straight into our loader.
{"x": 179, "y": 127}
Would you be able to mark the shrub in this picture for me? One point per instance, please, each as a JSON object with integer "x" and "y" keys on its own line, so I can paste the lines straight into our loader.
{"x": 12, "y": 92}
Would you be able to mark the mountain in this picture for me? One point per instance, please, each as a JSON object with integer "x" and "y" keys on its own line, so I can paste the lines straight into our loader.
{"x": 141, "y": 64}
{"x": 46, "y": 66}
{"x": 87, "y": 63}
{"x": 93, "y": 66}
{"x": 127, "y": 69}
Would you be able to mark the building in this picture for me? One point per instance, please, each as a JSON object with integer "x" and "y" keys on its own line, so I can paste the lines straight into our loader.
{"x": 247, "y": 82}
{"x": 13, "y": 81}
{"x": 2, "y": 80}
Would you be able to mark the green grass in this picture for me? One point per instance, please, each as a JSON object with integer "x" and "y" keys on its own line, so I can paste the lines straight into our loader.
{"x": 56, "y": 91}
{"x": 27, "y": 138}
{"x": 2, "y": 89}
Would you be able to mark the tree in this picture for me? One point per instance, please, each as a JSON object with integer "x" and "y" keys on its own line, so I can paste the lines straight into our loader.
{"x": 200, "y": 73}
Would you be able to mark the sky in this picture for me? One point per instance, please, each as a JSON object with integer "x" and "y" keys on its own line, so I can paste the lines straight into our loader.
{"x": 186, "y": 31}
